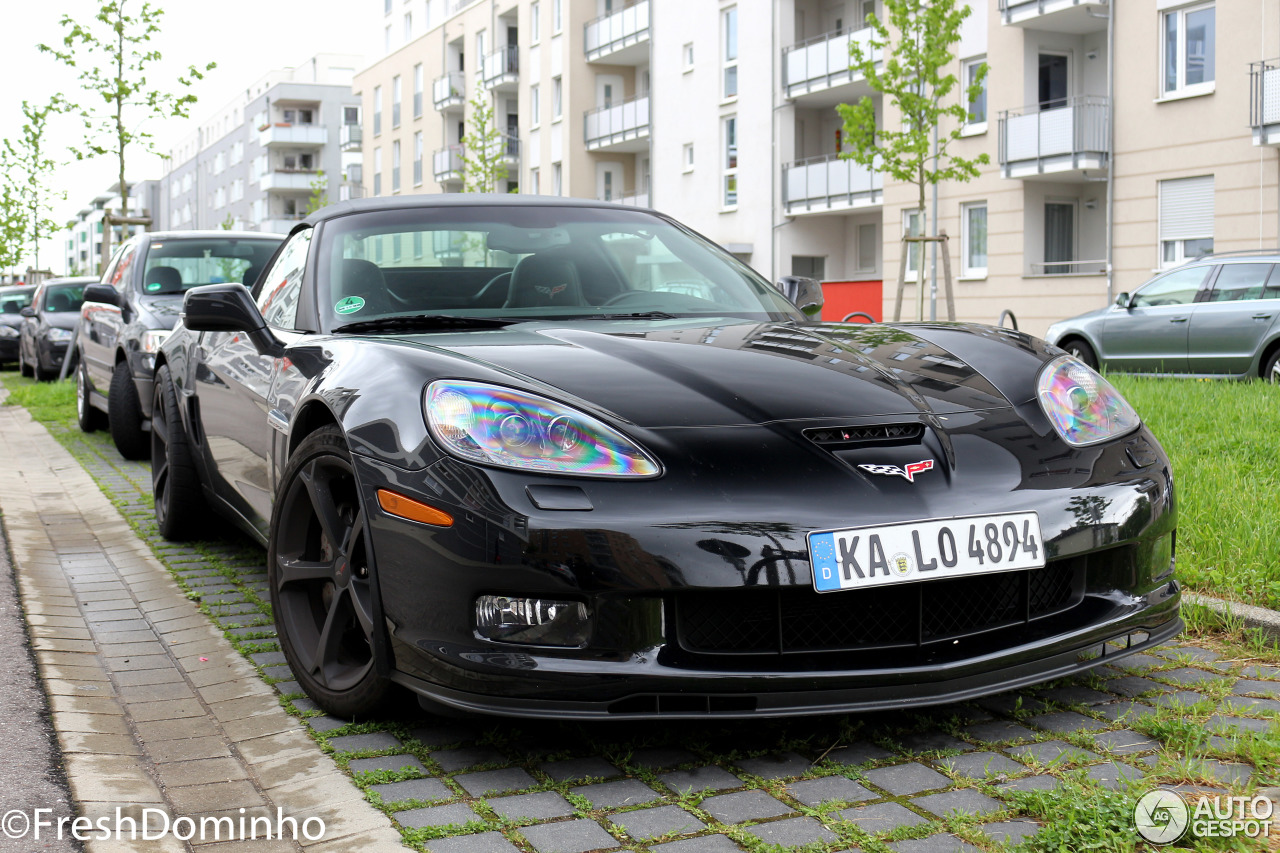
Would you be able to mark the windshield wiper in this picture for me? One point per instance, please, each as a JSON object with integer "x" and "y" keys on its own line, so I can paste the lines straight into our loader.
{"x": 639, "y": 315}
{"x": 423, "y": 323}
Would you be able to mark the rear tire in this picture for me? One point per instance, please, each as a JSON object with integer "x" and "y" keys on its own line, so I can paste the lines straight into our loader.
{"x": 1271, "y": 372}
{"x": 124, "y": 413}
{"x": 89, "y": 418}
{"x": 41, "y": 374}
{"x": 1082, "y": 351}
{"x": 179, "y": 499}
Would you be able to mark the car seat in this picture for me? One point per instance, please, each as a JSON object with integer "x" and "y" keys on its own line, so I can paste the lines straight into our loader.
{"x": 169, "y": 279}
{"x": 547, "y": 279}
{"x": 364, "y": 279}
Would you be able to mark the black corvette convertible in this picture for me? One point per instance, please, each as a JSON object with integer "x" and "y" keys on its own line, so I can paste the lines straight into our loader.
{"x": 548, "y": 457}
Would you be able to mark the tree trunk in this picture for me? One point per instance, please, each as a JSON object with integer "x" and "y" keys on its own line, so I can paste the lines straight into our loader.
{"x": 920, "y": 250}
{"x": 120, "y": 135}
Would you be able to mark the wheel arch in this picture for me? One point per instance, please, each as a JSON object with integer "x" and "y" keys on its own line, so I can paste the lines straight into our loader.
{"x": 312, "y": 415}
{"x": 1267, "y": 352}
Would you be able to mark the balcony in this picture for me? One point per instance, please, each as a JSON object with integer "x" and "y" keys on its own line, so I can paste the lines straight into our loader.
{"x": 501, "y": 69}
{"x": 295, "y": 135}
{"x": 350, "y": 137}
{"x": 450, "y": 91}
{"x": 829, "y": 184}
{"x": 1264, "y": 101}
{"x": 446, "y": 164}
{"x": 507, "y": 149}
{"x": 629, "y": 200}
{"x": 817, "y": 71}
{"x": 622, "y": 127}
{"x": 621, "y": 38}
{"x": 289, "y": 180}
{"x": 1060, "y": 16}
{"x": 1060, "y": 143}
{"x": 281, "y": 223}
{"x": 1069, "y": 267}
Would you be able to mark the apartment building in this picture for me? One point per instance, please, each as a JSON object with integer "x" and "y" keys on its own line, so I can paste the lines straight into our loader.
{"x": 82, "y": 243}
{"x": 1119, "y": 145}
{"x": 255, "y": 162}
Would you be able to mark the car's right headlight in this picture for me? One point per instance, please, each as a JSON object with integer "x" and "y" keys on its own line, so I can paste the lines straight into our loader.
{"x": 59, "y": 335}
{"x": 1081, "y": 404}
{"x": 495, "y": 425}
{"x": 8, "y": 332}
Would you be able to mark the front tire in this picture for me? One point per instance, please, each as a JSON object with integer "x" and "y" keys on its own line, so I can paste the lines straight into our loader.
{"x": 23, "y": 368}
{"x": 318, "y": 571}
{"x": 179, "y": 501}
{"x": 40, "y": 373}
{"x": 124, "y": 413}
{"x": 89, "y": 418}
{"x": 1081, "y": 350}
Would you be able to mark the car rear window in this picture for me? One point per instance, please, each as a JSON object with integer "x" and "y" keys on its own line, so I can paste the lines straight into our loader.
{"x": 177, "y": 265}
{"x": 13, "y": 301}
{"x": 63, "y": 297}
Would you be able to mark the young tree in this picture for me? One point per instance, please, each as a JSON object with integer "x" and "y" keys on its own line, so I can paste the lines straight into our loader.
{"x": 914, "y": 78}
{"x": 113, "y": 53}
{"x": 483, "y": 150}
{"x": 25, "y": 167}
{"x": 318, "y": 198}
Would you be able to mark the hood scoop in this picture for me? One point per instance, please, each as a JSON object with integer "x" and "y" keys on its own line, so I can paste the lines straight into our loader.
{"x": 848, "y": 438}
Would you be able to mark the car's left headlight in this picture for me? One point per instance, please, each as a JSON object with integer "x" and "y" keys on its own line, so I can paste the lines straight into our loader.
{"x": 8, "y": 332}
{"x": 1081, "y": 404}
{"x": 59, "y": 335}
{"x": 153, "y": 338}
{"x": 495, "y": 425}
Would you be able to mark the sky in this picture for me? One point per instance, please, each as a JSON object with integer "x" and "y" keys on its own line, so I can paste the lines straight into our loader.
{"x": 246, "y": 38}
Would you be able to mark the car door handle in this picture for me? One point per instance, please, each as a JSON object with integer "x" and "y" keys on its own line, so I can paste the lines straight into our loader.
{"x": 1262, "y": 316}
{"x": 1178, "y": 320}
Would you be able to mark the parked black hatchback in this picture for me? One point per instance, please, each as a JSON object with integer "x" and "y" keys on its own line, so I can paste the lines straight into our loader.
{"x": 125, "y": 318}
{"x": 48, "y": 324}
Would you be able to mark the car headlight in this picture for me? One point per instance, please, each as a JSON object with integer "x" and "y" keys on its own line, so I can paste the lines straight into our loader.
{"x": 153, "y": 338}
{"x": 501, "y": 426}
{"x": 8, "y": 332}
{"x": 59, "y": 335}
{"x": 1082, "y": 405}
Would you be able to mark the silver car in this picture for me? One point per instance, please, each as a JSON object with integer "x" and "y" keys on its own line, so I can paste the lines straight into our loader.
{"x": 1215, "y": 316}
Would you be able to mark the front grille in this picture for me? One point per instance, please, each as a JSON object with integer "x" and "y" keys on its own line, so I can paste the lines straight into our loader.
{"x": 798, "y": 620}
{"x": 884, "y": 435}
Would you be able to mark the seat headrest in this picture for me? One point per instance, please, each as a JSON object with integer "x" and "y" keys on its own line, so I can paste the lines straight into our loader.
{"x": 169, "y": 279}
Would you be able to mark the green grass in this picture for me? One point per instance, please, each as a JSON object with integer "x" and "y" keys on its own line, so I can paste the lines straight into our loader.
{"x": 1221, "y": 437}
{"x": 48, "y": 402}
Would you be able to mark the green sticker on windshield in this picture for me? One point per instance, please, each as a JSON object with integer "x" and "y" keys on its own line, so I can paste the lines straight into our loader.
{"x": 154, "y": 286}
{"x": 349, "y": 305}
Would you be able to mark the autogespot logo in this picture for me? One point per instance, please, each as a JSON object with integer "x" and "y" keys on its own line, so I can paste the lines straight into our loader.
{"x": 1161, "y": 816}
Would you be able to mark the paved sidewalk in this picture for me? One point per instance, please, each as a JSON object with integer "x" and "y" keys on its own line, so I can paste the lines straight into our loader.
{"x": 152, "y": 706}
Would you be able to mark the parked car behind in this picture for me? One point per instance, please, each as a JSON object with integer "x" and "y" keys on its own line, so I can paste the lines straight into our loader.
{"x": 48, "y": 326}
{"x": 125, "y": 318}
{"x": 12, "y": 301}
{"x": 1215, "y": 316}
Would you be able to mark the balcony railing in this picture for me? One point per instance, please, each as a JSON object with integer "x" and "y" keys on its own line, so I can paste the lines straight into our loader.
{"x": 1264, "y": 101}
{"x": 289, "y": 179}
{"x": 395, "y": 114}
{"x": 456, "y": 6}
{"x": 612, "y": 125}
{"x": 629, "y": 200}
{"x": 611, "y": 33}
{"x": 1017, "y": 11}
{"x": 506, "y": 147}
{"x": 1068, "y": 267}
{"x": 417, "y": 173}
{"x": 417, "y": 105}
{"x": 298, "y": 135}
{"x": 350, "y": 137}
{"x": 449, "y": 91}
{"x": 822, "y": 62}
{"x": 501, "y": 67}
{"x": 377, "y": 123}
{"x": 827, "y": 183}
{"x": 446, "y": 164}
{"x": 1074, "y": 135}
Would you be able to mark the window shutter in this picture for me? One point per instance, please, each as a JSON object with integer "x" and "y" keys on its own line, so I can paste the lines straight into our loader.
{"x": 1186, "y": 208}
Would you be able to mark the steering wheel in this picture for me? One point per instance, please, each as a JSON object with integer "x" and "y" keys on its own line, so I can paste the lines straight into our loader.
{"x": 496, "y": 284}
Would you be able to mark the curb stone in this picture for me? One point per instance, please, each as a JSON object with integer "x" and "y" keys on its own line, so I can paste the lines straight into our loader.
{"x": 1264, "y": 620}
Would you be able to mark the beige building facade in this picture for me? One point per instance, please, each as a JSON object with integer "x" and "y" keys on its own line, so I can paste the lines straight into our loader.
{"x": 1117, "y": 147}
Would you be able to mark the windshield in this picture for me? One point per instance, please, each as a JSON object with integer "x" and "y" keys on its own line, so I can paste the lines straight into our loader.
{"x": 13, "y": 301}
{"x": 531, "y": 263}
{"x": 176, "y": 265}
{"x": 63, "y": 297}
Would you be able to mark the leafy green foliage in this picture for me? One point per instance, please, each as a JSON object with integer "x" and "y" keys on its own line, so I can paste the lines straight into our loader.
{"x": 25, "y": 199}
{"x": 483, "y": 149}
{"x": 318, "y": 198}
{"x": 113, "y": 52}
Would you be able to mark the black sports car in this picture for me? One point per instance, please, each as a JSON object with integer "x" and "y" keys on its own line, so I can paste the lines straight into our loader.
{"x": 550, "y": 457}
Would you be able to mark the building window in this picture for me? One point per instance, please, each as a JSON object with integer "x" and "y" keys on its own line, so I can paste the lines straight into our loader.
{"x": 1189, "y": 49}
{"x": 557, "y": 179}
{"x": 386, "y": 39}
{"x": 408, "y": 27}
{"x": 417, "y": 159}
{"x": 971, "y": 70}
{"x": 687, "y": 53}
{"x": 350, "y": 115}
{"x": 386, "y": 7}
{"x": 973, "y": 239}
{"x": 557, "y": 18}
{"x": 535, "y": 182}
{"x": 730, "y": 130}
{"x": 395, "y": 101}
{"x": 557, "y": 98}
{"x": 866, "y": 247}
{"x": 1186, "y": 219}
{"x": 729, "y": 20}
{"x": 809, "y": 266}
{"x": 395, "y": 166}
{"x": 535, "y": 21}
{"x": 417, "y": 91}
{"x": 377, "y": 110}
{"x": 535, "y": 105}
{"x": 911, "y": 228}
{"x": 686, "y": 158}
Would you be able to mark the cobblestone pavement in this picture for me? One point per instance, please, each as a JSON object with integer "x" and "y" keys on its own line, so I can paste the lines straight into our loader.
{"x": 945, "y": 779}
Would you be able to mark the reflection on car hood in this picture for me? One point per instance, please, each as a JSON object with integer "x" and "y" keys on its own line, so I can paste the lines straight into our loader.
{"x": 12, "y": 320}
{"x": 62, "y": 319}
{"x": 736, "y": 372}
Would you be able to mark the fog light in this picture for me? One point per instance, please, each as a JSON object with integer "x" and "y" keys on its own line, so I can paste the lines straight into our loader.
{"x": 534, "y": 621}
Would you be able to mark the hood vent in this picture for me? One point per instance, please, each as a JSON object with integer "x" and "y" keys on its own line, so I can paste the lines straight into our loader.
{"x": 846, "y": 438}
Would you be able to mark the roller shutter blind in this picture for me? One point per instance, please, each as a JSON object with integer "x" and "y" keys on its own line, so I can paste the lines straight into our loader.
{"x": 1186, "y": 208}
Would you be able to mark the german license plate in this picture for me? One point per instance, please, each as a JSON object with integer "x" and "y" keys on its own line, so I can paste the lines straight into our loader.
{"x": 880, "y": 555}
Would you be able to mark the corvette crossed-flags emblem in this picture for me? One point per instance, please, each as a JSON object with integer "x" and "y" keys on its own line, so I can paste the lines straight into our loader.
{"x": 908, "y": 473}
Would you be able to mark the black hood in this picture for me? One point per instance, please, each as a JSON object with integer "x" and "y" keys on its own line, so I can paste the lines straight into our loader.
{"x": 62, "y": 319}
{"x": 732, "y": 373}
{"x": 11, "y": 320}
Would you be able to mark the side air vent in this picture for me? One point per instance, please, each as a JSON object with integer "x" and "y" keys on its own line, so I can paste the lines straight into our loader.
{"x": 886, "y": 435}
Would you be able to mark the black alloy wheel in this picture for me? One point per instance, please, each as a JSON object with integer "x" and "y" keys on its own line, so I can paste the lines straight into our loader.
{"x": 319, "y": 578}
{"x": 179, "y": 501}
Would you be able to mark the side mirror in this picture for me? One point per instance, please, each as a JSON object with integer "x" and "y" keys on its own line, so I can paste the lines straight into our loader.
{"x": 1122, "y": 301}
{"x": 228, "y": 308}
{"x": 104, "y": 293}
{"x": 28, "y": 312}
{"x": 804, "y": 293}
